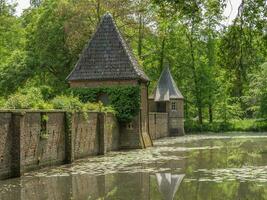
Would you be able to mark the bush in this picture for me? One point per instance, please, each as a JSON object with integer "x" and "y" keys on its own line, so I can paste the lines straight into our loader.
{"x": 47, "y": 92}
{"x": 2, "y": 102}
{"x": 32, "y": 98}
{"x": 67, "y": 103}
{"x": 25, "y": 99}
{"x": 193, "y": 127}
{"x": 219, "y": 126}
{"x": 98, "y": 107}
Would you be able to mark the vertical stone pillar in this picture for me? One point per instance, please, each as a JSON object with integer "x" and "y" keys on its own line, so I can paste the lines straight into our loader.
{"x": 69, "y": 137}
{"x": 17, "y": 145}
{"x": 101, "y": 133}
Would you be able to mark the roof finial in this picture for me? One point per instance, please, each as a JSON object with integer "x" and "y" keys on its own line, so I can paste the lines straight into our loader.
{"x": 166, "y": 64}
{"x": 107, "y": 15}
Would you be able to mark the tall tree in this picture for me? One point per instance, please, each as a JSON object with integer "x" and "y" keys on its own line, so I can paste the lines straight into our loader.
{"x": 242, "y": 46}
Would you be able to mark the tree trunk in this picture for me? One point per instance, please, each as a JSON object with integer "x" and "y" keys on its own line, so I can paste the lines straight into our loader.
{"x": 197, "y": 90}
{"x": 210, "y": 113}
{"x": 98, "y": 11}
{"x": 162, "y": 53}
{"x": 140, "y": 36}
{"x": 2, "y": 3}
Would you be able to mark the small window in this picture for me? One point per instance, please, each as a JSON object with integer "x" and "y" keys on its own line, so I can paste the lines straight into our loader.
{"x": 173, "y": 106}
{"x": 103, "y": 98}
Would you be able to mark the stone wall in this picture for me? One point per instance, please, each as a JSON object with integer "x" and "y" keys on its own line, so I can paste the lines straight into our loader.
{"x": 112, "y": 132}
{"x": 158, "y": 125}
{"x": 86, "y": 138}
{"x": 146, "y": 139}
{"x": 5, "y": 144}
{"x": 31, "y": 140}
{"x": 176, "y": 119}
{"x": 130, "y": 137}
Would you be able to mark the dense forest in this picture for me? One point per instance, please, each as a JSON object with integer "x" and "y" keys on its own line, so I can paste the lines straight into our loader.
{"x": 221, "y": 68}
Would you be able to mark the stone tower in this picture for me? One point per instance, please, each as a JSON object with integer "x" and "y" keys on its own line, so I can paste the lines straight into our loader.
{"x": 167, "y": 98}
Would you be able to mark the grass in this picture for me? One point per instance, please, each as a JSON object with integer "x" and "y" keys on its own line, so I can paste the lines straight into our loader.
{"x": 246, "y": 125}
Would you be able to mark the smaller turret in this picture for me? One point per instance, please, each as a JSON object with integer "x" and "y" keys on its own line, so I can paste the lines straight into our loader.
{"x": 167, "y": 98}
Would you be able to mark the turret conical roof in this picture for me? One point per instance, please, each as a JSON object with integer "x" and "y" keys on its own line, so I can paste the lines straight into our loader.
{"x": 166, "y": 88}
{"x": 107, "y": 57}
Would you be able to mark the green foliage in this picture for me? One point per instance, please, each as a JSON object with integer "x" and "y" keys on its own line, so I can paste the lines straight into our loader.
{"x": 45, "y": 118}
{"x": 67, "y": 103}
{"x": 263, "y": 90}
{"x": 2, "y": 102}
{"x": 33, "y": 98}
{"x": 14, "y": 73}
{"x": 124, "y": 99}
{"x": 220, "y": 126}
{"x": 263, "y": 104}
{"x": 72, "y": 103}
{"x": 195, "y": 127}
{"x": 217, "y": 68}
{"x": 99, "y": 107}
{"x": 25, "y": 99}
{"x": 48, "y": 92}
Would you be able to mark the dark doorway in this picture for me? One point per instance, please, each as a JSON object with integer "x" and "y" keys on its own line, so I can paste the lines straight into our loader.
{"x": 161, "y": 106}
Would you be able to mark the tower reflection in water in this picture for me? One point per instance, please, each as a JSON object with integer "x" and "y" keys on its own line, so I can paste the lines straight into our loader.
{"x": 168, "y": 184}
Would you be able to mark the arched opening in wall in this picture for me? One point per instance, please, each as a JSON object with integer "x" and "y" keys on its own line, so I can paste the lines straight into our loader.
{"x": 103, "y": 97}
{"x": 161, "y": 106}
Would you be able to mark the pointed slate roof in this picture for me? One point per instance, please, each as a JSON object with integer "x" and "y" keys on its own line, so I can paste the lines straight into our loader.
{"x": 107, "y": 57}
{"x": 166, "y": 88}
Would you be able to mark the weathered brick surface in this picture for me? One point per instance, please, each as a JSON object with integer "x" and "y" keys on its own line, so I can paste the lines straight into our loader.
{"x": 37, "y": 151}
{"x": 112, "y": 132}
{"x": 28, "y": 141}
{"x": 5, "y": 144}
{"x": 86, "y": 140}
{"x": 158, "y": 125}
{"x": 130, "y": 137}
{"x": 146, "y": 139}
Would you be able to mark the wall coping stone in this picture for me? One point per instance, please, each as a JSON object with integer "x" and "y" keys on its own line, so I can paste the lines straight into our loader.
{"x": 158, "y": 113}
{"x": 44, "y": 111}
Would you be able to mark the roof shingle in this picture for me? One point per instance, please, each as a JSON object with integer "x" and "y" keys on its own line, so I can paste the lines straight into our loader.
{"x": 107, "y": 57}
{"x": 166, "y": 88}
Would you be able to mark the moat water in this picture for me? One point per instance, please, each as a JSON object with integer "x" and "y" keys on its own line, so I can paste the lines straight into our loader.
{"x": 194, "y": 167}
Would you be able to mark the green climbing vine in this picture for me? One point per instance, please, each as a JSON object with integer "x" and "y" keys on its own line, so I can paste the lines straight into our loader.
{"x": 124, "y": 99}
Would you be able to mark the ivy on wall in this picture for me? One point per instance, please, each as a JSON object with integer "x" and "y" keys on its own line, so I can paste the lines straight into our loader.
{"x": 124, "y": 99}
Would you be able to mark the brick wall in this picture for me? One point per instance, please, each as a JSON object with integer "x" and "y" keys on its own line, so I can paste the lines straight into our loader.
{"x": 86, "y": 140}
{"x": 38, "y": 151}
{"x": 144, "y": 116}
{"x": 5, "y": 144}
{"x": 175, "y": 118}
{"x": 112, "y": 132}
{"x": 130, "y": 137}
{"x": 158, "y": 125}
{"x": 31, "y": 140}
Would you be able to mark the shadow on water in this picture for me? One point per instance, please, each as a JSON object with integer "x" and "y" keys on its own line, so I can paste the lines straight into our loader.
{"x": 193, "y": 167}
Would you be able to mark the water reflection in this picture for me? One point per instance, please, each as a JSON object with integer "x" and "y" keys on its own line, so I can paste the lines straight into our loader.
{"x": 168, "y": 184}
{"x": 215, "y": 168}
